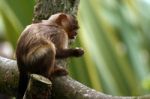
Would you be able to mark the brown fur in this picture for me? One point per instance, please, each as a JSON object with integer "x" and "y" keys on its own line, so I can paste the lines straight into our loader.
{"x": 39, "y": 45}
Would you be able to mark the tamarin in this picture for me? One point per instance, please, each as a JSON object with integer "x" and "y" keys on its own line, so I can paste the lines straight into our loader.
{"x": 40, "y": 44}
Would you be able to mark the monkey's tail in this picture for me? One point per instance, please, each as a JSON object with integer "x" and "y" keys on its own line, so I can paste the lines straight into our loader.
{"x": 23, "y": 82}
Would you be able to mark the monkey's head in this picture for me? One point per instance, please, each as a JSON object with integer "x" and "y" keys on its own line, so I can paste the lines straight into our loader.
{"x": 67, "y": 22}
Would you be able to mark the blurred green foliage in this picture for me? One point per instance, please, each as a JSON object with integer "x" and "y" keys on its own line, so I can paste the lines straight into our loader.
{"x": 114, "y": 34}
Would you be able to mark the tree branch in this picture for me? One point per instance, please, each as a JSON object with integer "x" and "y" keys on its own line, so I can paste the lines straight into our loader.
{"x": 63, "y": 87}
{"x": 34, "y": 92}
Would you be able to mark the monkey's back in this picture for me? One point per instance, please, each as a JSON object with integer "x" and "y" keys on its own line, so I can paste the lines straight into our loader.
{"x": 36, "y": 43}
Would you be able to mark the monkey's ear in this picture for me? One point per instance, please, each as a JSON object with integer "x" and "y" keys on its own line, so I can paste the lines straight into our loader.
{"x": 61, "y": 19}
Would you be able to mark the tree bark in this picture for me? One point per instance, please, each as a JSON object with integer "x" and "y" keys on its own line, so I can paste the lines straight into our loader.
{"x": 63, "y": 87}
{"x": 39, "y": 87}
{"x": 45, "y": 8}
{"x": 9, "y": 76}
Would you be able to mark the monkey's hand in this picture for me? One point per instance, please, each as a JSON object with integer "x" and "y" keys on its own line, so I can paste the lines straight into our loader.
{"x": 77, "y": 52}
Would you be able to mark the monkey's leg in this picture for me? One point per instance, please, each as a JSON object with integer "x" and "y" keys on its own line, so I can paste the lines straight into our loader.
{"x": 39, "y": 60}
{"x": 42, "y": 60}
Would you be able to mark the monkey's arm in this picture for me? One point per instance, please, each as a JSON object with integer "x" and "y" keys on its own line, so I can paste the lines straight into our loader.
{"x": 72, "y": 52}
{"x": 60, "y": 39}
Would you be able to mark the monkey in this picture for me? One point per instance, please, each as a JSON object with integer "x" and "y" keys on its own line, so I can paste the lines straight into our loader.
{"x": 40, "y": 44}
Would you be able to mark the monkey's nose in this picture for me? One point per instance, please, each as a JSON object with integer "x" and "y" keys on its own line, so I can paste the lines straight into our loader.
{"x": 74, "y": 33}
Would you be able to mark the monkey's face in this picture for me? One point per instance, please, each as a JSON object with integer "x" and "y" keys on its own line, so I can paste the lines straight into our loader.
{"x": 67, "y": 22}
{"x": 73, "y": 33}
{"x": 73, "y": 28}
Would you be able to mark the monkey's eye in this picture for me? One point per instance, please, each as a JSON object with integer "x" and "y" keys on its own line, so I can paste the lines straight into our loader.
{"x": 75, "y": 26}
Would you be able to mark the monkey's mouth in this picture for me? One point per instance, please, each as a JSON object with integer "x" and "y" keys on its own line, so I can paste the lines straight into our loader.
{"x": 73, "y": 36}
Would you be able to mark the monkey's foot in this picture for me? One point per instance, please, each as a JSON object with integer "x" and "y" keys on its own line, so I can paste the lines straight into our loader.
{"x": 59, "y": 71}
